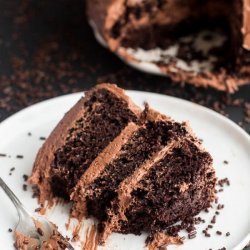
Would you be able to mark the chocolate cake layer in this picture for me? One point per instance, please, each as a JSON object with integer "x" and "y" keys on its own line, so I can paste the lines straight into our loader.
{"x": 175, "y": 188}
{"x": 104, "y": 118}
{"x": 129, "y": 24}
{"x": 83, "y": 133}
{"x": 141, "y": 146}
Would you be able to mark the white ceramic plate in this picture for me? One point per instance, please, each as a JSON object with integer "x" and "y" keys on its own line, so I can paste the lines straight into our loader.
{"x": 224, "y": 139}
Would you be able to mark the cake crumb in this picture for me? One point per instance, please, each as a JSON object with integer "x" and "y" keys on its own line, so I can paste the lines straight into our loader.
{"x": 40, "y": 231}
{"x": 10, "y": 230}
{"x": 225, "y": 162}
{"x": 220, "y": 206}
{"x": 213, "y": 221}
{"x": 25, "y": 187}
{"x": 2, "y": 155}
{"x": 19, "y": 156}
{"x": 227, "y": 234}
{"x": 192, "y": 234}
{"x": 207, "y": 234}
{"x": 25, "y": 177}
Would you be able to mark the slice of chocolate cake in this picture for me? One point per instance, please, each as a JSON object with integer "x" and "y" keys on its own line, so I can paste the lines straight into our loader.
{"x": 159, "y": 176}
{"x": 205, "y": 43}
{"x": 84, "y": 132}
{"x": 134, "y": 171}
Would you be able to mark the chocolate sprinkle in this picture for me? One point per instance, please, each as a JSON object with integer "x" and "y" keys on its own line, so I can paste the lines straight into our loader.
{"x": 3, "y": 155}
{"x": 220, "y": 206}
{"x": 42, "y": 138}
{"x": 40, "y": 231}
{"x": 38, "y": 209}
{"x": 192, "y": 235}
{"x": 25, "y": 177}
{"x": 25, "y": 187}
{"x": 213, "y": 221}
{"x": 19, "y": 156}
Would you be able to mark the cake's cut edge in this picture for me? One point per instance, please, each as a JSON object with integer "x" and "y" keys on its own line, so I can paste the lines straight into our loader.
{"x": 126, "y": 187}
{"x": 97, "y": 166}
{"x": 110, "y": 153}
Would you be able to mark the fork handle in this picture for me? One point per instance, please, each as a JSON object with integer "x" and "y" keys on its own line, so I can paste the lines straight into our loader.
{"x": 19, "y": 206}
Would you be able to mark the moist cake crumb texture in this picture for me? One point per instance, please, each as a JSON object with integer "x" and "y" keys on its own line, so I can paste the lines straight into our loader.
{"x": 133, "y": 170}
{"x": 103, "y": 119}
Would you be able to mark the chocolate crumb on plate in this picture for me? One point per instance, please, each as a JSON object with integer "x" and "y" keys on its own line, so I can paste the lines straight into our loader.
{"x": 38, "y": 209}
{"x": 227, "y": 234}
{"x": 12, "y": 169}
{"x": 2, "y": 155}
{"x": 29, "y": 134}
{"x": 224, "y": 181}
{"x": 10, "y": 230}
{"x": 220, "y": 206}
{"x": 225, "y": 162}
{"x": 25, "y": 177}
{"x": 218, "y": 232}
{"x": 213, "y": 221}
{"x": 40, "y": 231}
{"x": 42, "y": 138}
{"x": 192, "y": 234}
{"x": 19, "y": 156}
{"x": 25, "y": 187}
{"x": 207, "y": 234}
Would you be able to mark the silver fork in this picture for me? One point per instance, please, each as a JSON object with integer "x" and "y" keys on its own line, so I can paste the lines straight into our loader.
{"x": 26, "y": 224}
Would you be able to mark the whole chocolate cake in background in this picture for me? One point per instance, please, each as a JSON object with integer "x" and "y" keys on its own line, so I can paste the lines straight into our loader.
{"x": 133, "y": 170}
{"x": 205, "y": 43}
